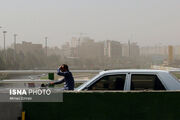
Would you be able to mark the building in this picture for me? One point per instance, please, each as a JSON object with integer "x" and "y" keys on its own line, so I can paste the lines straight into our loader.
{"x": 112, "y": 49}
{"x": 134, "y": 50}
{"x": 170, "y": 54}
{"x": 125, "y": 50}
{"x": 89, "y": 49}
{"x": 28, "y": 47}
{"x": 54, "y": 51}
{"x": 130, "y": 50}
{"x": 154, "y": 50}
{"x": 74, "y": 44}
{"x": 176, "y": 50}
{"x": 66, "y": 50}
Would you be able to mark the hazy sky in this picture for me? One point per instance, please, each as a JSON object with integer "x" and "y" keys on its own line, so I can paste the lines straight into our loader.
{"x": 149, "y": 22}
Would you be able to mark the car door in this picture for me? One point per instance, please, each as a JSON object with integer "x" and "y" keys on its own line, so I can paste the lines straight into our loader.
{"x": 109, "y": 82}
{"x": 145, "y": 81}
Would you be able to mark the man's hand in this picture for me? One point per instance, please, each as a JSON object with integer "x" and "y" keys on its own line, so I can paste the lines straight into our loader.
{"x": 51, "y": 83}
{"x": 62, "y": 68}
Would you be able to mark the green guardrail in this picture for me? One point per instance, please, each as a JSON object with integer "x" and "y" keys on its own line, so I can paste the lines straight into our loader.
{"x": 108, "y": 106}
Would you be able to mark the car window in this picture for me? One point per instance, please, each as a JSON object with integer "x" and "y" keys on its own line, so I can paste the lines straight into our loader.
{"x": 146, "y": 82}
{"x": 110, "y": 82}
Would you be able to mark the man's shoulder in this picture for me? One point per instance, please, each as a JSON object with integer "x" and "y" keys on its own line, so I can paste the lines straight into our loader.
{"x": 68, "y": 72}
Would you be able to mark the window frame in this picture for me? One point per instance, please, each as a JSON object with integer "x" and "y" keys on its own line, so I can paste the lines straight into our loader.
{"x": 109, "y": 74}
{"x": 135, "y": 73}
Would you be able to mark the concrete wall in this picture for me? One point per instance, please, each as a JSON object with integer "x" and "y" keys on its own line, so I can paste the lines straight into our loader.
{"x": 108, "y": 106}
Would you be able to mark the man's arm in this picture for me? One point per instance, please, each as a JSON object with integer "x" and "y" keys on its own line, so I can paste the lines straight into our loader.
{"x": 59, "y": 82}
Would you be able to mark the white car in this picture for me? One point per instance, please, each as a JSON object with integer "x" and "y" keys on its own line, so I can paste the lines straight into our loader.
{"x": 132, "y": 80}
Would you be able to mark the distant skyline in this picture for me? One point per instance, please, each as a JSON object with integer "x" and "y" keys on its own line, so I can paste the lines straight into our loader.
{"x": 151, "y": 22}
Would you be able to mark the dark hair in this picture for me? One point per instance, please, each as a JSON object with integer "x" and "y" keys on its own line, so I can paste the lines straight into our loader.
{"x": 66, "y": 67}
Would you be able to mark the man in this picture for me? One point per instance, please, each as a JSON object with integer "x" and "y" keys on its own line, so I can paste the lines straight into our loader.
{"x": 63, "y": 70}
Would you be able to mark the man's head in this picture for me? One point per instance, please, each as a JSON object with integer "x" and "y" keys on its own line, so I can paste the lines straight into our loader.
{"x": 64, "y": 68}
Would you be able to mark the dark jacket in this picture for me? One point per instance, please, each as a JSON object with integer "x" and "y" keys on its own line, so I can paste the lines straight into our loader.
{"x": 68, "y": 79}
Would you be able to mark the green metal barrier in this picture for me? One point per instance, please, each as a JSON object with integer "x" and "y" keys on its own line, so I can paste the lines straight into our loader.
{"x": 108, "y": 106}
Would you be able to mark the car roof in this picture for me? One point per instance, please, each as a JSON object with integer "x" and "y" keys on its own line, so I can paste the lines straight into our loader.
{"x": 170, "y": 82}
{"x": 134, "y": 70}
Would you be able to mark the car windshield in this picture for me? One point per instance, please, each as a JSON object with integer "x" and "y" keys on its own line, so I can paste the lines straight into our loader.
{"x": 84, "y": 84}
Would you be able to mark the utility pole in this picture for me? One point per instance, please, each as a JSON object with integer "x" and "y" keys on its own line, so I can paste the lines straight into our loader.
{"x": 15, "y": 35}
{"x": 4, "y": 34}
{"x": 46, "y": 38}
{"x": 0, "y": 26}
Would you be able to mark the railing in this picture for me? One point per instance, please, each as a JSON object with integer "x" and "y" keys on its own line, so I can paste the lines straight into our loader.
{"x": 34, "y": 81}
{"x": 46, "y": 71}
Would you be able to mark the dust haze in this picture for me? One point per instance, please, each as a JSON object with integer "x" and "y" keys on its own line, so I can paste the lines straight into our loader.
{"x": 89, "y": 34}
